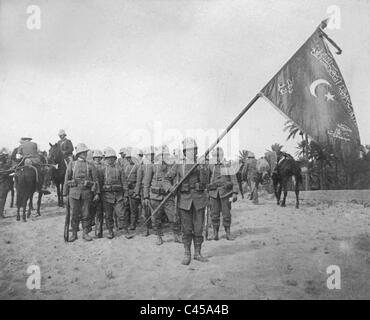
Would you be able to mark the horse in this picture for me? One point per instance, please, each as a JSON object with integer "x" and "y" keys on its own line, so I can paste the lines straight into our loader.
{"x": 286, "y": 168}
{"x": 26, "y": 186}
{"x": 57, "y": 170}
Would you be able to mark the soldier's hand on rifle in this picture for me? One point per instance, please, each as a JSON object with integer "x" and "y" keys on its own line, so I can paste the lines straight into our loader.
{"x": 235, "y": 197}
{"x": 146, "y": 202}
{"x": 96, "y": 198}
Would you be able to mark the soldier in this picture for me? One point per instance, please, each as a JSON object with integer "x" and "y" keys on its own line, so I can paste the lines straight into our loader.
{"x": 96, "y": 209}
{"x": 192, "y": 200}
{"x": 158, "y": 181}
{"x": 122, "y": 161}
{"x": 65, "y": 145}
{"x": 222, "y": 186}
{"x": 250, "y": 171}
{"x": 82, "y": 186}
{"x": 114, "y": 193}
{"x": 5, "y": 179}
{"x": 147, "y": 162}
{"x": 131, "y": 170}
{"x": 29, "y": 150}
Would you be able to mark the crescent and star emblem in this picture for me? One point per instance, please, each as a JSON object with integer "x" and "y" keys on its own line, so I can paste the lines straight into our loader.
{"x": 314, "y": 84}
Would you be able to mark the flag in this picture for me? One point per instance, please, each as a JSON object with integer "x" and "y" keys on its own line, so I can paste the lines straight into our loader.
{"x": 310, "y": 90}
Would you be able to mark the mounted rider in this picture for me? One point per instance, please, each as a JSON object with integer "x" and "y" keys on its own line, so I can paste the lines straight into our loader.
{"x": 29, "y": 155}
{"x": 65, "y": 145}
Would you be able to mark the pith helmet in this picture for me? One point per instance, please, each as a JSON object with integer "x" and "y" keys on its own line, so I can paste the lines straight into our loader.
{"x": 109, "y": 152}
{"x": 149, "y": 150}
{"x": 129, "y": 152}
{"x": 61, "y": 132}
{"x": 81, "y": 147}
{"x": 140, "y": 152}
{"x": 217, "y": 150}
{"x": 26, "y": 137}
{"x": 251, "y": 154}
{"x": 4, "y": 151}
{"x": 123, "y": 150}
{"x": 189, "y": 143}
{"x": 97, "y": 154}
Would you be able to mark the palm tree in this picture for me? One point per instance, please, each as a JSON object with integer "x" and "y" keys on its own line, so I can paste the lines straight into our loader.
{"x": 276, "y": 147}
{"x": 292, "y": 128}
{"x": 243, "y": 155}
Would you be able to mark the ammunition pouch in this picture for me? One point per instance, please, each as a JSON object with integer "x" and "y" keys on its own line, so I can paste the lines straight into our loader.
{"x": 212, "y": 186}
{"x": 83, "y": 183}
{"x": 229, "y": 186}
{"x": 186, "y": 187}
{"x": 112, "y": 188}
{"x": 158, "y": 190}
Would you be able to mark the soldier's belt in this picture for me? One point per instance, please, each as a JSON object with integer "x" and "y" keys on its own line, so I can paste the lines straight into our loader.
{"x": 80, "y": 183}
{"x": 186, "y": 187}
{"x": 158, "y": 190}
{"x": 112, "y": 188}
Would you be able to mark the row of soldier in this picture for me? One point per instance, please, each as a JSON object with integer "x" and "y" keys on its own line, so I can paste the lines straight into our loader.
{"x": 115, "y": 189}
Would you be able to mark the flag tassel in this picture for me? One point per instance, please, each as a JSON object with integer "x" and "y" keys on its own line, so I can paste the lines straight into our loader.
{"x": 322, "y": 26}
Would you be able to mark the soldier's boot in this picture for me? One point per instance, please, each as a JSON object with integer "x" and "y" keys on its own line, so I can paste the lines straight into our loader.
{"x": 177, "y": 238}
{"x": 215, "y": 232}
{"x": 197, "y": 252}
{"x": 187, "y": 256}
{"x": 127, "y": 234}
{"x": 133, "y": 226}
{"x": 74, "y": 235}
{"x": 159, "y": 240}
{"x": 85, "y": 235}
{"x": 228, "y": 234}
{"x": 110, "y": 234}
{"x": 147, "y": 232}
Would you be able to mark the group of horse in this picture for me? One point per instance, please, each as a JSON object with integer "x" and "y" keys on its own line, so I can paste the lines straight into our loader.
{"x": 280, "y": 170}
{"x": 26, "y": 183}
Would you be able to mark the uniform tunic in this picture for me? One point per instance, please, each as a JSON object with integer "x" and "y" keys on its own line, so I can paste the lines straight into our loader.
{"x": 221, "y": 187}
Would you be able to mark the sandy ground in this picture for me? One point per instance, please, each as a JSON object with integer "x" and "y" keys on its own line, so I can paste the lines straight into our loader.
{"x": 278, "y": 253}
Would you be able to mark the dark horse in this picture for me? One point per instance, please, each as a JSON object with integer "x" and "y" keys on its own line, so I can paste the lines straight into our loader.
{"x": 26, "y": 185}
{"x": 58, "y": 170}
{"x": 284, "y": 171}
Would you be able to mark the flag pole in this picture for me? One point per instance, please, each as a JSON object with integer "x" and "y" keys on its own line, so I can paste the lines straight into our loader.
{"x": 214, "y": 144}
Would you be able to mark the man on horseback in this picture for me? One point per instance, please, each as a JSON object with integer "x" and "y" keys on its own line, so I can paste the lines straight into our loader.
{"x": 66, "y": 145}
{"x": 28, "y": 151}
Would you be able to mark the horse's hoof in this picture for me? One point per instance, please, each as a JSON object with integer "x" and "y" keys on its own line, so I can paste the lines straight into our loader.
{"x": 24, "y": 220}
{"x": 38, "y": 214}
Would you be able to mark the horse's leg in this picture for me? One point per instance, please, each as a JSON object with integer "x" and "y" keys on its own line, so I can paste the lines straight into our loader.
{"x": 12, "y": 196}
{"x": 30, "y": 205}
{"x": 285, "y": 188}
{"x": 31, "y": 202}
{"x": 61, "y": 194}
{"x": 278, "y": 195}
{"x": 39, "y": 204}
{"x": 58, "y": 193}
{"x": 25, "y": 201}
{"x": 297, "y": 192}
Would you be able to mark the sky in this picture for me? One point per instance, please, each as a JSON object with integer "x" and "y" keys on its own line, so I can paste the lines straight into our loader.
{"x": 128, "y": 73}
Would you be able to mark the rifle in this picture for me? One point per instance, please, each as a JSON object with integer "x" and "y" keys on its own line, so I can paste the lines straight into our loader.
{"x": 223, "y": 134}
{"x": 67, "y": 220}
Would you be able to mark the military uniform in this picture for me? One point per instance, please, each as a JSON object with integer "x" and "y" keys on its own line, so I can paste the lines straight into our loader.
{"x": 66, "y": 147}
{"x": 192, "y": 201}
{"x": 114, "y": 192}
{"x": 81, "y": 182}
{"x": 131, "y": 170}
{"x": 144, "y": 168}
{"x": 96, "y": 208}
{"x": 158, "y": 182}
{"x": 221, "y": 187}
{"x": 5, "y": 181}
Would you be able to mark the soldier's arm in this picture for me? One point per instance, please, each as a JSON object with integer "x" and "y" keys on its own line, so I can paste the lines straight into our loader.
{"x": 69, "y": 147}
{"x": 138, "y": 183}
{"x": 95, "y": 179}
{"x": 124, "y": 182}
{"x": 235, "y": 184}
{"x": 148, "y": 176}
{"x": 67, "y": 177}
